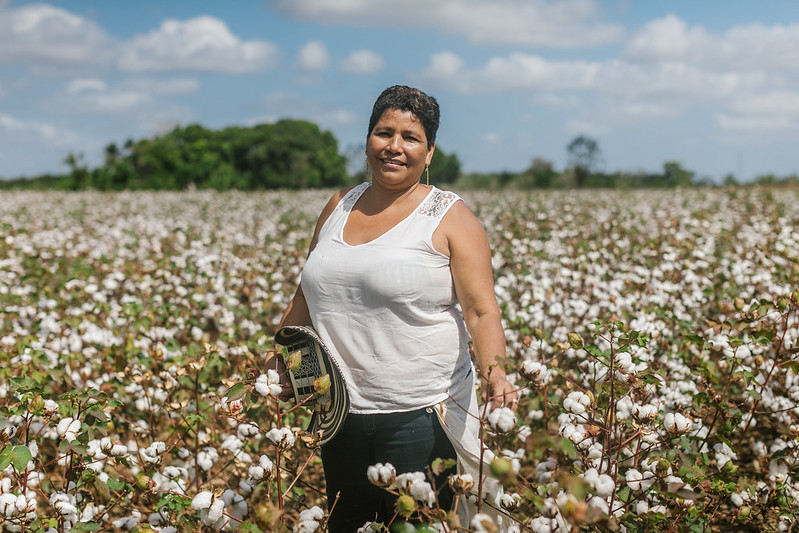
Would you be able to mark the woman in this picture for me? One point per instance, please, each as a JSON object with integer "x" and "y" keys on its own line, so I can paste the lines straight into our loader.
{"x": 388, "y": 264}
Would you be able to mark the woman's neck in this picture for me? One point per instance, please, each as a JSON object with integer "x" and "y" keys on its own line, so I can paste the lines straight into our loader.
{"x": 379, "y": 199}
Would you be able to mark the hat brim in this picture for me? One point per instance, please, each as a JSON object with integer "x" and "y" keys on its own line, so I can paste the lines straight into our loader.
{"x": 329, "y": 409}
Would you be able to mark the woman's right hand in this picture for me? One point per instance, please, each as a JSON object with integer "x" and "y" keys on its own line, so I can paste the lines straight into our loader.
{"x": 274, "y": 361}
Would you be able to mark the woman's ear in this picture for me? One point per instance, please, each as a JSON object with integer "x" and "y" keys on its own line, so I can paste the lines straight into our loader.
{"x": 430, "y": 153}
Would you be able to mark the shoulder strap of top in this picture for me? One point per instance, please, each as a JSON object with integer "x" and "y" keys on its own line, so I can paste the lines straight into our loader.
{"x": 352, "y": 196}
{"x": 437, "y": 204}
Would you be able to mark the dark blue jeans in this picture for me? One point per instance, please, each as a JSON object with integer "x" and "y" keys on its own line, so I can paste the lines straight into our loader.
{"x": 410, "y": 441}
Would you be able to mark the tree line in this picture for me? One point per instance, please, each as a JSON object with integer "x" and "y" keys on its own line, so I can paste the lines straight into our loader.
{"x": 297, "y": 154}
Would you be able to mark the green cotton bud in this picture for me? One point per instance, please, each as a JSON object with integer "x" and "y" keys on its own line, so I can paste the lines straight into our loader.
{"x": 575, "y": 340}
{"x": 144, "y": 482}
{"x": 322, "y": 384}
{"x": 406, "y": 505}
{"x": 501, "y": 467}
{"x": 37, "y": 405}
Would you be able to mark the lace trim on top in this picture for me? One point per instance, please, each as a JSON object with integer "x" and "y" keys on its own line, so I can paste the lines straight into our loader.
{"x": 352, "y": 196}
{"x": 436, "y": 204}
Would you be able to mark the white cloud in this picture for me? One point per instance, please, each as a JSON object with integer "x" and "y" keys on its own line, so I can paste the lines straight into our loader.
{"x": 131, "y": 96}
{"x": 528, "y": 72}
{"x": 163, "y": 86}
{"x": 203, "y": 44}
{"x": 748, "y": 47}
{"x": 769, "y": 111}
{"x": 40, "y": 35}
{"x": 43, "y": 131}
{"x": 85, "y": 84}
{"x": 562, "y": 23}
{"x": 753, "y": 123}
{"x": 362, "y": 62}
{"x": 313, "y": 57}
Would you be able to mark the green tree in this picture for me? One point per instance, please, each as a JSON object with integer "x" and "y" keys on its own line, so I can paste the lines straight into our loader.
{"x": 583, "y": 154}
{"x": 540, "y": 175}
{"x": 444, "y": 168}
{"x": 676, "y": 176}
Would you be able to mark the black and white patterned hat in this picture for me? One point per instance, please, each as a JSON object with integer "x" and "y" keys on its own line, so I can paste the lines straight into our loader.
{"x": 329, "y": 408}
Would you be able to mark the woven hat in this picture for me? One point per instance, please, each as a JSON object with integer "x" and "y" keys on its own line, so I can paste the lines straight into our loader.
{"x": 330, "y": 407}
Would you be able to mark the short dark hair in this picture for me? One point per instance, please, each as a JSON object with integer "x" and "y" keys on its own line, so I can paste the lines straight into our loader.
{"x": 404, "y": 98}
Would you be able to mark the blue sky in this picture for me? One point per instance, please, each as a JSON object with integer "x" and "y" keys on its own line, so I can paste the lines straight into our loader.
{"x": 711, "y": 84}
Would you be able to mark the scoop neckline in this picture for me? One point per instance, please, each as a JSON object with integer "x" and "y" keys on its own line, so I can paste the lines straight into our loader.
{"x": 389, "y": 230}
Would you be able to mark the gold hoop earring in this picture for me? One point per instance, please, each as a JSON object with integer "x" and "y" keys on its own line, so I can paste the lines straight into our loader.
{"x": 427, "y": 174}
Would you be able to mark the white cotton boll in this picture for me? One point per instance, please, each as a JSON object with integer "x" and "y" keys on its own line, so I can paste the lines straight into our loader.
{"x": 778, "y": 471}
{"x": 404, "y": 481}
{"x": 599, "y": 503}
{"x": 502, "y": 420}
{"x": 576, "y": 402}
{"x": 677, "y": 423}
{"x": 633, "y": 478}
{"x": 309, "y": 520}
{"x": 202, "y": 500}
{"x": 214, "y": 513}
{"x": 736, "y": 499}
{"x": 605, "y": 486}
{"x": 268, "y": 384}
{"x": 602, "y": 483}
{"x": 282, "y": 437}
{"x": 645, "y": 412}
{"x": 206, "y": 458}
{"x": 153, "y": 451}
{"x": 247, "y": 430}
{"x": 724, "y": 454}
{"x": 50, "y": 407}
{"x": 641, "y": 507}
{"x": 8, "y": 504}
{"x": 257, "y": 473}
{"x": 422, "y": 492}
{"x": 232, "y": 443}
{"x": 65, "y": 508}
{"x": 542, "y": 524}
{"x": 482, "y": 523}
{"x": 314, "y": 513}
{"x": 510, "y": 501}
{"x": 381, "y": 474}
{"x": 68, "y": 428}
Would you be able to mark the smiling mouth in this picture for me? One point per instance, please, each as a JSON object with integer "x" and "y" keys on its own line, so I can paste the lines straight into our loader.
{"x": 392, "y": 162}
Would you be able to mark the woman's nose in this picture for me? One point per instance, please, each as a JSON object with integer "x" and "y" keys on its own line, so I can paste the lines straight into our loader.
{"x": 395, "y": 143}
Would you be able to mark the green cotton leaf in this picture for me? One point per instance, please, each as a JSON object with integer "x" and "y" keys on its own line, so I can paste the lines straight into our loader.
{"x": 23, "y": 384}
{"x": 596, "y": 352}
{"x": 440, "y": 465}
{"x": 625, "y": 494}
{"x": 81, "y": 527}
{"x": 237, "y": 392}
{"x": 247, "y": 527}
{"x": 115, "y": 484}
{"x": 6, "y": 455}
{"x": 792, "y": 365}
{"x": 20, "y": 457}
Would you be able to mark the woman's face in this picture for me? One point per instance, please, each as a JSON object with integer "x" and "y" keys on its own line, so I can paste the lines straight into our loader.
{"x": 396, "y": 150}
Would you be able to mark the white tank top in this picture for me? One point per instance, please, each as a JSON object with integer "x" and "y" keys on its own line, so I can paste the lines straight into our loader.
{"x": 387, "y": 309}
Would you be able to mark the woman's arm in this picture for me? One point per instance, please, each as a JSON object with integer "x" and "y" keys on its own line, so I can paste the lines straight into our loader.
{"x": 470, "y": 260}
{"x": 297, "y": 313}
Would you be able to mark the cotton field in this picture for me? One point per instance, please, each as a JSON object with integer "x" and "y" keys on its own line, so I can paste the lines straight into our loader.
{"x": 654, "y": 336}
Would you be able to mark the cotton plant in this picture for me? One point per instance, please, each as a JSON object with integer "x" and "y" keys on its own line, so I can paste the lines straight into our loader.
{"x": 705, "y": 276}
